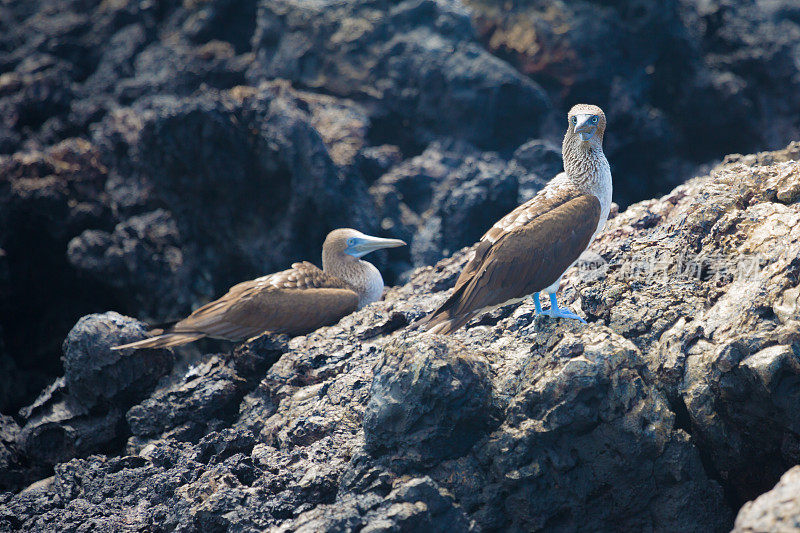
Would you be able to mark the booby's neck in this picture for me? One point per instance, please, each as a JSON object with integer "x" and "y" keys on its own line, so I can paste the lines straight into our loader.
{"x": 584, "y": 162}
{"x": 359, "y": 275}
{"x": 588, "y": 170}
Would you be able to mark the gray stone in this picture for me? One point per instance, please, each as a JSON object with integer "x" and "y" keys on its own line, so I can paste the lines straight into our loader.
{"x": 777, "y": 510}
{"x": 430, "y": 400}
{"x": 126, "y": 376}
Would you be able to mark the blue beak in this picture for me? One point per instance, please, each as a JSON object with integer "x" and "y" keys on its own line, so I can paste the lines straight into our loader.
{"x": 363, "y": 245}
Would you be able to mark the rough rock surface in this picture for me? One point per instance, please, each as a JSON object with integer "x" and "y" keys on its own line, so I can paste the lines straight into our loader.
{"x": 705, "y": 282}
{"x": 425, "y": 403}
{"x": 153, "y": 153}
{"x": 89, "y": 360}
{"x": 83, "y": 412}
{"x": 158, "y": 152}
{"x": 670, "y": 409}
{"x": 777, "y": 510}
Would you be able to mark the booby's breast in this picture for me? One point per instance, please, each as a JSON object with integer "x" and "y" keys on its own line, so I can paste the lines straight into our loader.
{"x": 373, "y": 284}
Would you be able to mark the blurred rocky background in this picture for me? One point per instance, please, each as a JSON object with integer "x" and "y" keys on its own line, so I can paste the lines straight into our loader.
{"x": 155, "y": 152}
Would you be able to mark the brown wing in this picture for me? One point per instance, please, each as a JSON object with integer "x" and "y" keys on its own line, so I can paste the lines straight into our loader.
{"x": 294, "y": 301}
{"x": 522, "y": 261}
{"x": 558, "y": 192}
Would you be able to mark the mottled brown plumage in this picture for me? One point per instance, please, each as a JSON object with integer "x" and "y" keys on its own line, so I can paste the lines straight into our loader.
{"x": 528, "y": 250}
{"x": 294, "y": 301}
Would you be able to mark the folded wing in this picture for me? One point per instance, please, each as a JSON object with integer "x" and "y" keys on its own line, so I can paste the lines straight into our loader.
{"x": 522, "y": 260}
{"x": 295, "y": 301}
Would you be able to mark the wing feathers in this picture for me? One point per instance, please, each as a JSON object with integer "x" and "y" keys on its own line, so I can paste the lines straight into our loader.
{"x": 294, "y": 301}
{"x": 162, "y": 341}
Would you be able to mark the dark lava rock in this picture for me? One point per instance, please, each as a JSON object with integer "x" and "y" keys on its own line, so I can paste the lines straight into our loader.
{"x": 418, "y": 504}
{"x": 45, "y": 199}
{"x": 430, "y": 397}
{"x": 688, "y": 80}
{"x": 206, "y": 398}
{"x": 416, "y": 64}
{"x": 776, "y": 510}
{"x": 239, "y": 174}
{"x": 157, "y": 219}
{"x": 82, "y": 413}
{"x": 188, "y": 410}
{"x": 444, "y": 199}
{"x": 58, "y": 428}
{"x": 11, "y": 475}
{"x": 126, "y": 375}
{"x": 574, "y": 399}
{"x": 142, "y": 254}
{"x": 541, "y": 161}
{"x": 709, "y": 294}
{"x": 12, "y": 386}
{"x": 159, "y": 152}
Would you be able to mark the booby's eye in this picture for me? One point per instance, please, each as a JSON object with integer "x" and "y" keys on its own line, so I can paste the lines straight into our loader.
{"x": 351, "y": 242}
{"x": 574, "y": 120}
{"x": 594, "y": 119}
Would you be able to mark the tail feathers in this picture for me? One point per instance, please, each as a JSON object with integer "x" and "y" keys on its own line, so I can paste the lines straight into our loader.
{"x": 166, "y": 340}
{"x": 443, "y": 323}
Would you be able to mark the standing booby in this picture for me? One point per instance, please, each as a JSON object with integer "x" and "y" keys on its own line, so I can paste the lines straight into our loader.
{"x": 527, "y": 251}
{"x": 294, "y": 301}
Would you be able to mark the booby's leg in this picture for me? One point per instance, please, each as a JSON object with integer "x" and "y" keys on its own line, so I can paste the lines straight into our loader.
{"x": 537, "y": 303}
{"x": 557, "y": 312}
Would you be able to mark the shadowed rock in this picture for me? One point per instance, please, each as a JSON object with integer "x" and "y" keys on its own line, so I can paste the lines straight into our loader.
{"x": 89, "y": 360}
{"x": 83, "y": 412}
{"x": 11, "y": 473}
{"x": 206, "y": 398}
{"x": 46, "y": 197}
{"x": 413, "y": 62}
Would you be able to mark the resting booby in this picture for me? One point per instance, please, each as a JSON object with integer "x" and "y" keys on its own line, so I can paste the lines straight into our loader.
{"x": 294, "y": 301}
{"x": 527, "y": 251}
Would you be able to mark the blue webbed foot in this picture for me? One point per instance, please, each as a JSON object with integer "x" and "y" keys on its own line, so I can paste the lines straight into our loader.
{"x": 555, "y": 311}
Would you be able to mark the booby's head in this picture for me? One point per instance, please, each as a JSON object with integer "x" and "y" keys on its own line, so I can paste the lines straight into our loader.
{"x": 349, "y": 242}
{"x": 586, "y": 123}
{"x": 340, "y": 254}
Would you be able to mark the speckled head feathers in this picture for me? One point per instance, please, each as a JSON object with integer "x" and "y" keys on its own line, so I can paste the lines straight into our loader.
{"x": 347, "y": 244}
{"x": 586, "y": 110}
{"x": 336, "y": 241}
{"x": 582, "y": 148}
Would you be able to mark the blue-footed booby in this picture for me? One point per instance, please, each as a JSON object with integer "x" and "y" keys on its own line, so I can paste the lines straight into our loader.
{"x": 528, "y": 250}
{"x": 294, "y": 301}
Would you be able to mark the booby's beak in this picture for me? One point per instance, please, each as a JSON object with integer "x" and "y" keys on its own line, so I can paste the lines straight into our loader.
{"x": 360, "y": 246}
{"x": 586, "y": 126}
